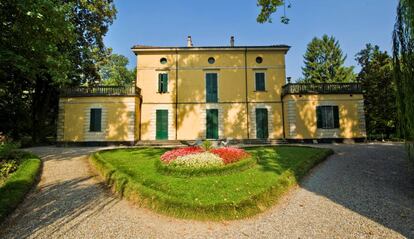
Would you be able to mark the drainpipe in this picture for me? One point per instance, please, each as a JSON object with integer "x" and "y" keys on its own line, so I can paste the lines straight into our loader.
{"x": 176, "y": 93}
{"x": 247, "y": 93}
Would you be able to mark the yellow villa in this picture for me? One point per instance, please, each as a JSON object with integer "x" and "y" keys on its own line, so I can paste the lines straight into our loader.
{"x": 230, "y": 92}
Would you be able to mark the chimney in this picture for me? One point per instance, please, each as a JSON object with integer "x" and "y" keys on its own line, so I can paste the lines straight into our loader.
{"x": 189, "y": 42}
{"x": 232, "y": 41}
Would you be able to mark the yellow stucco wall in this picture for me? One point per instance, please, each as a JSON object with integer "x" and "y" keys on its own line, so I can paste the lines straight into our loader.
{"x": 351, "y": 116}
{"x": 118, "y": 118}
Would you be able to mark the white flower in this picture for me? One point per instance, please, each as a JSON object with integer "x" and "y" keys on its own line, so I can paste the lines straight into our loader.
{"x": 199, "y": 160}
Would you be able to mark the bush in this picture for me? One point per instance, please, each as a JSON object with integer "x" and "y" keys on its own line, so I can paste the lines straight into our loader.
{"x": 207, "y": 145}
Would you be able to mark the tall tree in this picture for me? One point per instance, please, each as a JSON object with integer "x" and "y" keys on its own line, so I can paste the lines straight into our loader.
{"x": 403, "y": 60}
{"x": 324, "y": 62}
{"x": 113, "y": 70}
{"x": 45, "y": 44}
{"x": 379, "y": 90}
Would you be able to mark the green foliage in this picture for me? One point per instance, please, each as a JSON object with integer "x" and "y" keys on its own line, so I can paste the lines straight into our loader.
{"x": 207, "y": 145}
{"x": 379, "y": 90}
{"x": 324, "y": 62}
{"x": 403, "y": 61}
{"x": 13, "y": 190}
{"x": 113, "y": 71}
{"x": 197, "y": 172}
{"x": 133, "y": 174}
{"x": 268, "y": 7}
{"x": 46, "y": 44}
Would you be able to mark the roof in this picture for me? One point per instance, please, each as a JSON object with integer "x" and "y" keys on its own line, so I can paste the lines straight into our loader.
{"x": 194, "y": 48}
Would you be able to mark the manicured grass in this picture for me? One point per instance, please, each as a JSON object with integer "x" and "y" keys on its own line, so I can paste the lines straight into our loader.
{"x": 18, "y": 184}
{"x": 133, "y": 174}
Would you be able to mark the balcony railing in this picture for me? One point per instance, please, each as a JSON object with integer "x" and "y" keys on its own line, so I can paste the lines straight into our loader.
{"x": 322, "y": 88}
{"x": 84, "y": 91}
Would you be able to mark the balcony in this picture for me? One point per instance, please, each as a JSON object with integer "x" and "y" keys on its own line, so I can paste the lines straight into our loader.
{"x": 85, "y": 91}
{"x": 321, "y": 88}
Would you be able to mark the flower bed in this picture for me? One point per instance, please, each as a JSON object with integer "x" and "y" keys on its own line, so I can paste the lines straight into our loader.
{"x": 199, "y": 161}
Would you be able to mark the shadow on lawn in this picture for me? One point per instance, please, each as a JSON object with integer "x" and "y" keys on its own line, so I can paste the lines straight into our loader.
{"x": 374, "y": 181}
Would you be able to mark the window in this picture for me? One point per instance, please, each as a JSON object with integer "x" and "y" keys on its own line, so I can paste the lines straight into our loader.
{"x": 163, "y": 83}
{"x": 260, "y": 81}
{"x": 211, "y": 88}
{"x": 211, "y": 60}
{"x": 161, "y": 125}
{"x": 95, "y": 121}
{"x": 259, "y": 60}
{"x": 163, "y": 60}
{"x": 212, "y": 124}
{"x": 327, "y": 117}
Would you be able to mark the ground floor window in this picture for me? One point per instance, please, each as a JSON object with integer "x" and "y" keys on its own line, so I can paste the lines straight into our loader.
{"x": 161, "y": 125}
{"x": 262, "y": 124}
{"x": 327, "y": 117}
{"x": 212, "y": 124}
{"x": 95, "y": 121}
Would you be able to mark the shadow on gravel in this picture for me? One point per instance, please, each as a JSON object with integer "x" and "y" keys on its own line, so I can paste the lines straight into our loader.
{"x": 375, "y": 181}
{"x": 62, "y": 205}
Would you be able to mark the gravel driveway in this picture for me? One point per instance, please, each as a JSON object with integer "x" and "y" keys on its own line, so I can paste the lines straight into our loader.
{"x": 364, "y": 190}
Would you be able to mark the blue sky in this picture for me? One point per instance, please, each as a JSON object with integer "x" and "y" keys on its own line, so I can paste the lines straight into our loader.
{"x": 167, "y": 23}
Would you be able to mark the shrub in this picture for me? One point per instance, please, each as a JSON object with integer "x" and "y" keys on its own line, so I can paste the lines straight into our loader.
{"x": 207, "y": 145}
{"x": 9, "y": 151}
{"x": 173, "y": 154}
{"x": 199, "y": 160}
{"x": 230, "y": 154}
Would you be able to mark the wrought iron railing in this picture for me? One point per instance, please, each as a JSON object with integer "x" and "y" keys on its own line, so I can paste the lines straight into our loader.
{"x": 100, "y": 91}
{"x": 322, "y": 88}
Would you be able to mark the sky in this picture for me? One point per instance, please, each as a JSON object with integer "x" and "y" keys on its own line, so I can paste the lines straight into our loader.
{"x": 353, "y": 23}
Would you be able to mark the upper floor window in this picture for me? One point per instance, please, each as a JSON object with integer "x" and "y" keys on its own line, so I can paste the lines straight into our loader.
{"x": 327, "y": 117}
{"x": 259, "y": 60}
{"x": 163, "y": 60}
{"x": 211, "y": 60}
{"x": 211, "y": 88}
{"x": 163, "y": 83}
{"x": 95, "y": 121}
{"x": 260, "y": 81}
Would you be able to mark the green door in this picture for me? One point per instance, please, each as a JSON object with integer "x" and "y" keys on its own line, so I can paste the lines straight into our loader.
{"x": 161, "y": 124}
{"x": 212, "y": 124}
{"x": 211, "y": 87}
{"x": 262, "y": 131}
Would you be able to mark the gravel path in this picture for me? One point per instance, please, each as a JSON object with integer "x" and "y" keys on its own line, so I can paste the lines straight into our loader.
{"x": 364, "y": 190}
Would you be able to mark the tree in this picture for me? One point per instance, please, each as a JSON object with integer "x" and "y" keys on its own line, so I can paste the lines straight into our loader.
{"x": 324, "y": 62}
{"x": 113, "y": 71}
{"x": 46, "y": 44}
{"x": 403, "y": 61}
{"x": 379, "y": 90}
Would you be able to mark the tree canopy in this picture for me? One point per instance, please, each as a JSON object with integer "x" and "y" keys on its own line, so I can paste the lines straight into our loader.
{"x": 113, "y": 70}
{"x": 324, "y": 62}
{"x": 379, "y": 91}
{"x": 45, "y": 44}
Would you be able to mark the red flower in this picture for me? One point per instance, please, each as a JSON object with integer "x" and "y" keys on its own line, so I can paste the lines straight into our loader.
{"x": 173, "y": 154}
{"x": 230, "y": 154}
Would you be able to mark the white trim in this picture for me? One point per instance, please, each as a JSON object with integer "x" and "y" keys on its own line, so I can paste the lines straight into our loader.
{"x": 265, "y": 77}
{"x": 183, "y": 68}
{"x": 205, "y": 85}
{"x": 291, "y": 118}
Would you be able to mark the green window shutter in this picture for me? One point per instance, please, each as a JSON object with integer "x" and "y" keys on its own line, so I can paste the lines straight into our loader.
{"x": 211, "y": 87}
{"x": 212, "y": 124}
{"x": 161, "y": 125}
{"x": 262, "y": 127}
{"x": 260, "y": 81}
{"x": 95, "y": 123}
{"x": 319, "y": 117}
{"x": 336, "y": 116}
{"x": 164, "y": 83}
{"x": 159, "y": 83}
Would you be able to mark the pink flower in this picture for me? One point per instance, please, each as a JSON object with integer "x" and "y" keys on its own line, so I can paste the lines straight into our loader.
{"x": 173, "y": 154}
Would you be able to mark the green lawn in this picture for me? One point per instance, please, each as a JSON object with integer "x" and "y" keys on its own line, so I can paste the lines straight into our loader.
{"x": 133, "y": 174}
